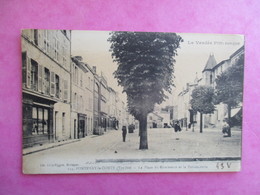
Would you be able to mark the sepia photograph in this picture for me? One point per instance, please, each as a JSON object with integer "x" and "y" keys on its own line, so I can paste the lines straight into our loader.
{"x": 131, "y": 102}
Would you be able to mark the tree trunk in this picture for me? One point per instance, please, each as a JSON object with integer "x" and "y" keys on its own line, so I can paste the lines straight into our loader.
{"x": 143, "y": 133}
{"x": 201, "y": 122}
{"x": 229, "y": 120}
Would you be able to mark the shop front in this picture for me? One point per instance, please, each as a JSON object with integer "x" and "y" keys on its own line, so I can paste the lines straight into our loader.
{"x": 82, "y": 125}
{"x": 37, "y": 120}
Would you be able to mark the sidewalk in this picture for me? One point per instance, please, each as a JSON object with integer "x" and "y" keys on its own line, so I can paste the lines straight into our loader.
{"x": 46, "y": 146}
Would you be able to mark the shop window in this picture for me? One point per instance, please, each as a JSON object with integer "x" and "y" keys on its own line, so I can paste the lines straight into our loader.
{"x": 40, "y": 117}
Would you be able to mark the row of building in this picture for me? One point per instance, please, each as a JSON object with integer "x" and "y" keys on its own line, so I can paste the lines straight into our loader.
{"x": 63, "y": 97}
{"x": 182, "y": 111}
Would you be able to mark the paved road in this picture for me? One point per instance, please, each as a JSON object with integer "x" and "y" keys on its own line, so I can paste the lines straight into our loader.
{"x": 163, "y": 143}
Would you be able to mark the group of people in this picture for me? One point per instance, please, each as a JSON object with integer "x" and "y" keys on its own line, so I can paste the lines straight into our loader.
{"x": 177, "y": 128}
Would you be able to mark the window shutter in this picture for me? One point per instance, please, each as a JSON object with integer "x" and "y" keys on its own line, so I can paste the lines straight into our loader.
{"x": 65, "y": 90}
{"x": 24, "y": 68}
{"x": 40, "y": 78}
{"x": 61, "y": 88}
{"x": 28, "y": 72}
{"x": 52, "y": 92}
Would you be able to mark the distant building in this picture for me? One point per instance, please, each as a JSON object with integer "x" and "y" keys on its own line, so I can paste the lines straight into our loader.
{"x": 103, "y": 102}
{"x": 111, "y": 108}
{"x": 209, "y": 74}
{"x": 96, "y": 104}
{"x": 154, "y": 120}
{"x": 82, "y": 98}
{"x": 183, "y": 112}
{"x": 46, "y": 86}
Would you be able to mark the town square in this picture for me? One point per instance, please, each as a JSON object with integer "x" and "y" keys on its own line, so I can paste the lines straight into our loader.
{"x": 131, "y": 95}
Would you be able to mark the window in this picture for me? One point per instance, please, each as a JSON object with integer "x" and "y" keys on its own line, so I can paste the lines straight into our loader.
{"x": 211, "y": 79}
{"x": 34, "y": 75}
{"x": 46, "y": 42}
{"x": 46, "y": 84}
{"x": 52, "y": 89}
{"x": 40, "y": 117}
{"x": 24, "y": 61}
{"x": 35, "y": 37}
{"x": 65, "y": 90}
{"x": 57, "y": 86}
{"x": 40, "y": 78}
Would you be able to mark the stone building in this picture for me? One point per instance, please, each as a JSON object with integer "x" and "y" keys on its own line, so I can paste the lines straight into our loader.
{"x": 96, "y": 104}
{"x": 111, "y": 108}
{"x": 182, "y": 110}
{"x": 82, "y": 98}
{"x": 46, "y": 86}
{"x": 211, "y": 71}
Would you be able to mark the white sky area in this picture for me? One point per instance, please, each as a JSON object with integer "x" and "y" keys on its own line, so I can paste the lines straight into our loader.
{"x": 192, "y": 56}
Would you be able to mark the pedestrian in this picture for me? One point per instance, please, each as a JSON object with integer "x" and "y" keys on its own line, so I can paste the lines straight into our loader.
{"x": 124, "y": 132}
{"x": 226, "y": 129}
{"x": 177, "y": 126}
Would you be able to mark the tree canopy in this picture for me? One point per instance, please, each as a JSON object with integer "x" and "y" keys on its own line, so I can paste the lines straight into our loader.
{"x": 229, "y": 84}
{"x": 145, "y": 70}
{"x": 145, "y": 67}
{"x": 203, "y": 99}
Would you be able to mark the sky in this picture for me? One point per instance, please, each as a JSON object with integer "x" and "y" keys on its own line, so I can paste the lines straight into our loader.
{"x": 192, "y": 55}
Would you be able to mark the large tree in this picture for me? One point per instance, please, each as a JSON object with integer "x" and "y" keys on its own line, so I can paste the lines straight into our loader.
{"x": 229, "y": 86}
{"x": 145, "y": 70}
{"x": 202, "y": 101}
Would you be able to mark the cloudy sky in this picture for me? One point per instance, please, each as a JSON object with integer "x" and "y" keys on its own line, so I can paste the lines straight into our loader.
{"x": 192, "y": 56}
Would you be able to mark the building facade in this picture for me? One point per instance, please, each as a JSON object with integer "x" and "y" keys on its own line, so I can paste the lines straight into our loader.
{"x": 82, "y": 98}
{"x": 46, "y": 86}
{"x": 183, "y": 111}
{"x": 209, "y": 75}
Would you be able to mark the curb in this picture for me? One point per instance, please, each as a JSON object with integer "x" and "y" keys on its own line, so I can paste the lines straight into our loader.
{"x": 50, "y": 147}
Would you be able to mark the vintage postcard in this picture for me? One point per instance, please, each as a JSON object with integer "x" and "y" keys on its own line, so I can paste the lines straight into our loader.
{"x": 123, "y": 102}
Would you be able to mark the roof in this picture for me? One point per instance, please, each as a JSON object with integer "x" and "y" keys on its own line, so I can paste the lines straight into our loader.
{"x": 237, "y": 51}
{"x": 211, "y": 63}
